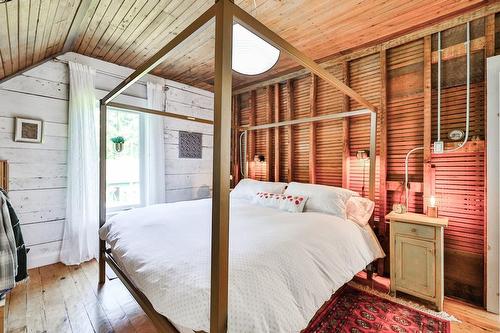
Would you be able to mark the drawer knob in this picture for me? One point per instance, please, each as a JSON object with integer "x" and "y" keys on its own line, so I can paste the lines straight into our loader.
{"x": 413, "y": 230}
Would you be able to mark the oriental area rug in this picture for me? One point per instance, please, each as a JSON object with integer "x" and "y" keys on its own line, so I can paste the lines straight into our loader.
{"x": 352, "y": 310}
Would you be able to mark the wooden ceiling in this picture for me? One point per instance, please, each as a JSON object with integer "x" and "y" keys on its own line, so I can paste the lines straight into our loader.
{"x": 127, "y": 32}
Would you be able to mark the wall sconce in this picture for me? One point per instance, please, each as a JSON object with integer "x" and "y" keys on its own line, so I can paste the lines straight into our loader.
{"x": 259, "y": 158}
{"x": 362, "y": 154}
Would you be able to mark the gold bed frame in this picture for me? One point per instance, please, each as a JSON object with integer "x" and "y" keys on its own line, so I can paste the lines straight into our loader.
{"x": 224, "y": 12}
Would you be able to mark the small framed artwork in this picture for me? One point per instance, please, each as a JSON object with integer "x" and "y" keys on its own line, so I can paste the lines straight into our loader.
{"x": 28, "y": 130}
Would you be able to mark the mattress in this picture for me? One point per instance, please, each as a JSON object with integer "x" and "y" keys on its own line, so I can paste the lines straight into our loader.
{"x": 282, "y": 266}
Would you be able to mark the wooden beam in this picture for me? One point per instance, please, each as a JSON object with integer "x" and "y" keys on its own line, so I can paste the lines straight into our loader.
{"x": 74, "y": 30}
{"x": 269, "y": 119}
{"x": 459, "y": 50}
{"x": 159, "y": 113}
{"x": 383, "y": 142}
{"x": 489, "y": 35}
{"x": 264, "y": 32}
{"x": 428, "y": 189}
{"x": 346, "y": 151}
{"x": 289, "y": 115}
{"x": 277, "y": 133}
{"x": 162, "y": 54}
{"x": 221, "y": 165}
{"x": 373, "y": 156}
{"x": 312, "y": 129}
{"x": 376, "y": 46}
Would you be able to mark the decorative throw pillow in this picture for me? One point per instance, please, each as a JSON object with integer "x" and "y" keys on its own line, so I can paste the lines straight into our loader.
{"x": 292, "y": 203}
{"x": 359, "y": 210}
{"x": 267, "y": 199}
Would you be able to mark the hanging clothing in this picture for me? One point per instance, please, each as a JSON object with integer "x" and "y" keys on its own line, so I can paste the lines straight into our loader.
{"x": 80, "y": 239}
{"x": 8, "y": 258}
{"x": 21, "y": 251}
{"x": 154, "y": 147}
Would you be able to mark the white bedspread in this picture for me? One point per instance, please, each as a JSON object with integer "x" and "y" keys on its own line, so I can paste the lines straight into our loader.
{"x": 283, "y": 266}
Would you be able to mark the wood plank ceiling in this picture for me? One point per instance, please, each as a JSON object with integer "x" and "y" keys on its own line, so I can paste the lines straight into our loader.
{"x": 127, "y": 32}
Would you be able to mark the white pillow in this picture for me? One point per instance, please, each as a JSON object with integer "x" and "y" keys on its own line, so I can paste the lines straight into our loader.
{"x": 359, "y": 210}
{"x": 322, "y": 198}
{"x": 267, "y": 199}
{"x": 247, "y": 188}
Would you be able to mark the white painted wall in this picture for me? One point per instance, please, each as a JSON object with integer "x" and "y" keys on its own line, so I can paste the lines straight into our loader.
{"x": 38, "y": 171}
{"x": 493, "y": 177}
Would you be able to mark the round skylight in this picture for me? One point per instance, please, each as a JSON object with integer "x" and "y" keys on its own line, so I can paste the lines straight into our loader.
{"x": 251, "y": 54}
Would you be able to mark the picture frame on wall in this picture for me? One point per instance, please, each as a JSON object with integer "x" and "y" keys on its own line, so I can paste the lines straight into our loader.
{"x": 28, "y": 130}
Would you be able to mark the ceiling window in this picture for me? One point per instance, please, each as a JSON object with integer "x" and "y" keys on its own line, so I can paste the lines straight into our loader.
{"x": 124, "y": 174}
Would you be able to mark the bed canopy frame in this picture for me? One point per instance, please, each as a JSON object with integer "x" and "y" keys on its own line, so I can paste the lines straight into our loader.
{"x": 224, "y": 12}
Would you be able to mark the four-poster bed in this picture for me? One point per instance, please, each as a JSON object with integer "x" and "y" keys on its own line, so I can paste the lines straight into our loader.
{"x": 224, "y": 11}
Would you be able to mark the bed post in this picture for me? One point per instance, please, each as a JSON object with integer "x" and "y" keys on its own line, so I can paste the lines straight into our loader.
{"x": 102, "y": 187}
{"x": 221, "y": 167}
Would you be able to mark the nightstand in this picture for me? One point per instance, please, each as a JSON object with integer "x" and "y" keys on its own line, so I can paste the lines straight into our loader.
{"x": 416, "y": 255}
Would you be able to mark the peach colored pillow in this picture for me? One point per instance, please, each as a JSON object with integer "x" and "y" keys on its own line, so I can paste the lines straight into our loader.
{"x": 359, "y": 210}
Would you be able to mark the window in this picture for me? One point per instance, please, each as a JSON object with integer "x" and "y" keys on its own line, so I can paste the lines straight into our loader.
{"x": 123, "y": 163}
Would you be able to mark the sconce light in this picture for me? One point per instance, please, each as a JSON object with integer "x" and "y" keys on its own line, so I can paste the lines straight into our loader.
{"x": 362, "y": 154}
{"x": 259, "y": 158}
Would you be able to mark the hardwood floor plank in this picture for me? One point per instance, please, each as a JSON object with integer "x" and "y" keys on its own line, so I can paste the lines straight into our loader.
{"x": 95, "y": 312}
{"x": 16, "y": 315}
{"x": 35, "y": 308}
{"x": 78, "y": 318}
{"x": 115, "y": 293}
{"x": 56, "y": 317}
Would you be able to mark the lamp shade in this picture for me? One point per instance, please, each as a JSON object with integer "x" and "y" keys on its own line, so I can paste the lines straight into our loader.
{"x": 251, "y": 54}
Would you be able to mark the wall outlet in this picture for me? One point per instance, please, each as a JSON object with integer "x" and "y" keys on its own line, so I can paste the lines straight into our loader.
{"x": 438, "y": 147}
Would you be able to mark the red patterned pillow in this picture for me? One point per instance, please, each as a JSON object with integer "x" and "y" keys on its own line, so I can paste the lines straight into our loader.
{"x": 267, "y": 199}
{"x": 292, "y": 203}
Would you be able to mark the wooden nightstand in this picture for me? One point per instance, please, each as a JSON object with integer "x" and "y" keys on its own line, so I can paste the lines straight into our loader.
{"x": 416, "y": 255}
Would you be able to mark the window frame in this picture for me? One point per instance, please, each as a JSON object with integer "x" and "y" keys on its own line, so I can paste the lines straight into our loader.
{"x": 142, "y": 175}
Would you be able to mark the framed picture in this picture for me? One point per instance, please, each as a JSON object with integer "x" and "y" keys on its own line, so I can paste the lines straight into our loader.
{"x": 28, "y": 130}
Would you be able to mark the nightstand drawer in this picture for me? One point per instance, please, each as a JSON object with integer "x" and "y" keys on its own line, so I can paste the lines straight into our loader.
{"x": 416, "y": 230}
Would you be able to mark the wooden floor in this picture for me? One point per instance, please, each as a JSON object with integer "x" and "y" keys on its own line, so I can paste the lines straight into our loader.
{"x": 62, "y": 299}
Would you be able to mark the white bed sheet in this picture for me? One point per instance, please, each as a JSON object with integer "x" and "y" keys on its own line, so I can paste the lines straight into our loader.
{"x": 283, "y": 266}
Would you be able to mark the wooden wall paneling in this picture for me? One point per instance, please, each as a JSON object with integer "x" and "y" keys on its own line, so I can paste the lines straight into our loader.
{"x": 252, "y": 135}
{"x": 428, "y": 184}
{"x": 346, "y": 151}
{"x": 328, "y": 134}
{"x": 284, "y": 133}
{"x": 405, "y": 119}
{"x": 312, "y": 129}
{"x": 300, "y": 133}
{"x": 289, "y": 129}
{"x": 269, "y": 132}
{"x": 276, "y": 133}
{"x": 260, "y": 136}
{"x": 460, "y": 181}
{"x": 383, "y": 141}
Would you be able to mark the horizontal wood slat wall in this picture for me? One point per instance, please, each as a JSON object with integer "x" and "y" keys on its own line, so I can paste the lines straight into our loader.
{"x": 394, "y": 80}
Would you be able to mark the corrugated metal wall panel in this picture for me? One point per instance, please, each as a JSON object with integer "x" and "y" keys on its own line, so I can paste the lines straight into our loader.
{"x": 300, "y": 133}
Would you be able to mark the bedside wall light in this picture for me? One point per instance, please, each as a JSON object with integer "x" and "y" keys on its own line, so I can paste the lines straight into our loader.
{"x": 362, "y": 154}
{"x": 259, "y": 158}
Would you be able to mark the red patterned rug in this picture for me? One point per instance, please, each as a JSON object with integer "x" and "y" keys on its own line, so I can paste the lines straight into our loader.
{"x": 351, "y": 310}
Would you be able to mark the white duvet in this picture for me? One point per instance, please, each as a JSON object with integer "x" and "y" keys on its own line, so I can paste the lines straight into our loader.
{"x": 283, "y": 266}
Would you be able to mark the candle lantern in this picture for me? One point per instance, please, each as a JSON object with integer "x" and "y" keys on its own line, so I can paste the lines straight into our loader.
{"x": 432, "y": 206}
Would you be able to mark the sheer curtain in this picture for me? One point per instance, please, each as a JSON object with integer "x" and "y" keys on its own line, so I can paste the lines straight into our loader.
{"x": 80, "y": 240}
{"x": 154, "y": 147}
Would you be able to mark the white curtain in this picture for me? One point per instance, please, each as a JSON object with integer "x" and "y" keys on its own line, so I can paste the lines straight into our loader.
{"x": 154, "y": 147}
{"x": 80, "y": 241}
